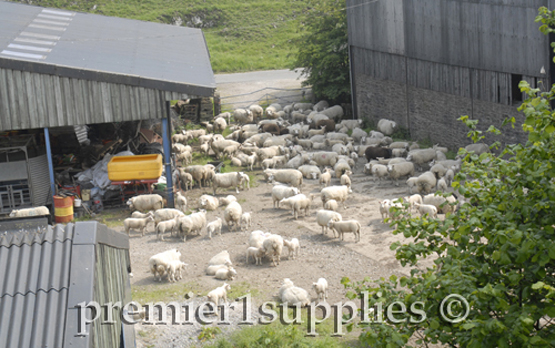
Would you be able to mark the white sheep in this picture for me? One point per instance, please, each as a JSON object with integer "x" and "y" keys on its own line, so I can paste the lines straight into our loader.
{"x": 209, "y": 202}
{"x": 220, "y": 258}
{"x": 442, "y": 185}
{"x": 324, "y": 216}
{"x": 256, "y": 253}
{"x": 35, "y": 211}
{"x": 137, "y": 224}
{"x": 139, "y": 215}
{"x": 228, "y": 273}
{"x": 273, "y": 247}
{"x": 335, "y": 112}
{"x": 426, "y": 182}
{"x": 331, "y": 205}
{"x": 297, "y": 204}
{"x": 280, "y": 192}
{"x": 198, "y": 172}
{"x": 346, "y": 179}
{"x": 292, "y": 177}
{"x": 242, "y": 116}
{"x": 325, "y": 177}
{"x": 174, "y": 269}
{"x": 426, "y": 209}
{"x": 185, "y": 179}
{"x": 246, "y": 220}
{"x": 411, "y": 183}
{"x": 211, "y": 270}
{"x": 214, "y": 227}
{"x": 379, "y": 171}
{"x": 310, "y": 171}
{"x": 439, "y": 170}
{"x": 339, "y": 193}
{"x": 219, "y": 124}
{"x": 387, "y": 127}
{"x": 256, "y": 239}
{"x": 232, "y": 215}
{"x": 421, "y": 157}
{"x": 416, "y": 198}
{"x": 181, "y": 202}
{"x": 400, "y": 170}
{"x": 251, "y": 161}
{"x": 384, "y": 208}
{"x": 189, "y": 224}
{"x": 346, "y": 226}
{"x": 449, "y": 177}
{"x": 293, "y": 247}
{"x": 444, "y": 205}
{"x": 478, "y": 148}
{"x": 146, "y": 202}
{"x": 166, "y": 214}
{"x": 158, "y": 263}
{"x": 220, "y": 293}
{"x": 320, "y": 106}
{"x": 325, "y": 158}
{"x": 233, "y": 179}
{"x": 321, "y": 288}
{"x": 292, "y": 295}
{"x": 165, "y": 226}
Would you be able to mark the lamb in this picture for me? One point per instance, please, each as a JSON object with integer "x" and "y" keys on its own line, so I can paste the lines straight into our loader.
{"x": 442, "y": 185}
{"x": 166, "y": 214}
{"x": 180, "y": 148}
{"x": 416, "y": 198}
{"x": 297, "y": 203}
{"x": 214, "y": 227}
{"x": 228, "y": 273}
{"x": 319, "y": 131}
{"x": 257, "y": 111}
{"x": 197, "y": 172}
{"x": 272, "y": 110}
{"x": 372, "y": 153}
{"x": 339, "y": 193}
{"x": 144, "y": 203}
{"x": 219, "y": 145}
{"x": 185, "y": 178}
{"x": 346, "y": 226}
{"x": 165, "y": 226}
{"x": 256, "y": 253}
{"x": 292, "y": 177}
{"x": 246, "y": 181}
{"x": 426, "y": 209}
{"x": 224, "y": 201}
{"x": 219, "y": 125}
{"x": 421, "y": 157}
{"x": 324, "y": 216}
{"x": 257, "y": 238}
{"x": 251, "y": 161}
{"x": 230, "y": 150}
{"x": 220, "y": 258}
{"x": 246, "y": 221}
{"x": 232, "y": 215}
{"x": 208, "y": 202}
{"x": 267, "y": 152}
{"x": 439, "y": 170}
{"x": 273, "y": 246}
{"x": 174, "y": 269}
{"x": 309, "y": 171}
{"x": 426, "y": 182}
{"x": 292, "y": 295}
{"x": 325, "y": 178}
{"x": 379, "y": 171}
{"x": 444, "y": 205}
{"x": 399, "y": 170}
{"x": 329, "y": 125}
{"x": 384, "y": 208}
{"x": 293, "y": 247}
{"x": 321, "y": 288}
{"x": 137, "y": 224}
{"x": 139, "y": 215}
{"x": 242, "y": 116}
{"x": 181, "y": 202}
{"x": 346, "y": 179}
{"x": 449, "y": 177}
{"x": 233, "y": 179}
{"x": 184, "y": 158}
{"x": 218, "y": 294}
{"x": 411, "y": 183}
{"x": 387, "y": 127}
{"x": 331, "y": 205}
{"x": 158, "y": 263}
{"x": 280, "y": 192}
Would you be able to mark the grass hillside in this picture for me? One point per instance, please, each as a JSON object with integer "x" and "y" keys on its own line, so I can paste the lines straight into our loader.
{"x": 242, "y": 35}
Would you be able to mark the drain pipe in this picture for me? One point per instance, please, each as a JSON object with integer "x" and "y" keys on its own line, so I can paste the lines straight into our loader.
{"x": 166, "y": 139}
{"x": 50, "y": 165}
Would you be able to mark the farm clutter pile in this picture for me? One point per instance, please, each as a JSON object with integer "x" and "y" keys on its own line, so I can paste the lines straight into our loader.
{"x": 287, "y": 150}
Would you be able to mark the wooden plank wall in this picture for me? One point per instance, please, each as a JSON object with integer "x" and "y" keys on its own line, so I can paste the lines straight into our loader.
{"x": 31, "y": 100}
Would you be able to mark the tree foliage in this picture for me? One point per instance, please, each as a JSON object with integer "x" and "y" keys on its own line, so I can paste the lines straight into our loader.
{"x": 497, "y": 251}
{"x": 323, "y": 51}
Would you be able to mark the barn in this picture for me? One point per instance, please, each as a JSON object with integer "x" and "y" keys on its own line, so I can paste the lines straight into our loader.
{"x": 71, "y": 82}
{"x": 426, "y": 63}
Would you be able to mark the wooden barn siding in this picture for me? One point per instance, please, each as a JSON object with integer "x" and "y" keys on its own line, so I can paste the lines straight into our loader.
{"x": 31, "y": 100}
{"x": 485, "y": 34}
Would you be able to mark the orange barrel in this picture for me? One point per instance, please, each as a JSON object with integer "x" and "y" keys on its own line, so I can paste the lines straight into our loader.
{"x": 63, "y": 209}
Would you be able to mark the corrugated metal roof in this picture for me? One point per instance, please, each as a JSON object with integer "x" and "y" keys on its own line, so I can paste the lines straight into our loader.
{"x": 108, "y": 49}
{"x": 34, "y": 286}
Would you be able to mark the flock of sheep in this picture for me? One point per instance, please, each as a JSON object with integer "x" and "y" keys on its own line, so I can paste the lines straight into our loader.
{"x": 290, "y": 144}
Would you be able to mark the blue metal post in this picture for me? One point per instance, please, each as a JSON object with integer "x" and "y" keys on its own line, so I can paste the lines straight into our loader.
{"x": 167, "y": 155}
{"x": 50, "y": 165}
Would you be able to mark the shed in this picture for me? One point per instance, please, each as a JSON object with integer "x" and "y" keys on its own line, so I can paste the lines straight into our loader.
{"x": 49, "y": 271}
{"x": 65, "y": 68}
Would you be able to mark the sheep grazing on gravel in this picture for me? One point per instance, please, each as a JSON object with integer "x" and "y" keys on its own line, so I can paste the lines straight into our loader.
{"x": 346, "y": 179}
{"x": 321, "y": 288}
{"x": 449, "y": 177}
{"x": 439, "y": 170}
{"x": 292, "y": 177}
{"x": 379, "y": 171}
{"x": 242, "y": 116}
{"x": 257, "y": 111}
{"x": 325, "y": 177}
{"x": 320, "y": 106}
{"x": 293, "y": 248}
{"x": 251, "y": 161}
{"x": 219, "y": 125}
{"x": 339, "y": 193}
{"x": 400, "y": 170}
{"x": 145, "y": 203}
{"x": 220, "y": 258}
{"x": 246, "y": 220}
{"x": 184, "y": 158}
{"x": 193, "y": 223}
{"x": 426, "y": 182}
{"x": 331, "y": 205}
{"x": 426, "y": 209}
{"x": 310, "y": 172}
{"x": 159, "y": 263}
{"x": 387, "y": 127}
{"x": 280, "y": 192}
{"x": 411, "y": 183}
{"x": 165, "y": 226}
{"x": 225, "y": 180}
{"x": 137, "y": 224}
{"x": 325, "y": 158}
{"x": 416, "y": 198}
{"x": 335, "y": 112}
{"x": 421, "y": 157}
{"x": 324, "y": 216}
{"x": 384, "y": 208}
{"x": 211, "y": 270}
{"x": 346, "y": 226}
{"x": 256, "y": 239}
{"x": 197, "y": 172}
{"x": 272, "y": 110}
{"x": 181, "y": 202}
{"x": 442, "y": 185}
{"x": 214, "y": 227}
{"x": 218, "y": 294}
{"x": 297, "y": 204}
{"x": 372, "y": 153}
{"x": 139, "y": 215}
{"x": 228, "y": 273}
{"x": 292, "y": 295}
{"x": 224, "y": 201}
{"x": 166, "y": 214}
{"x": 42, "y": 210}
{"x": 208, "y": 202}
{"x": 232, "y": 215}
{"x": 273, "y": 247}
{"x": 185, "y": 179}
{"x": 174, "y": 269}
{"x": 256, "y": 253}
